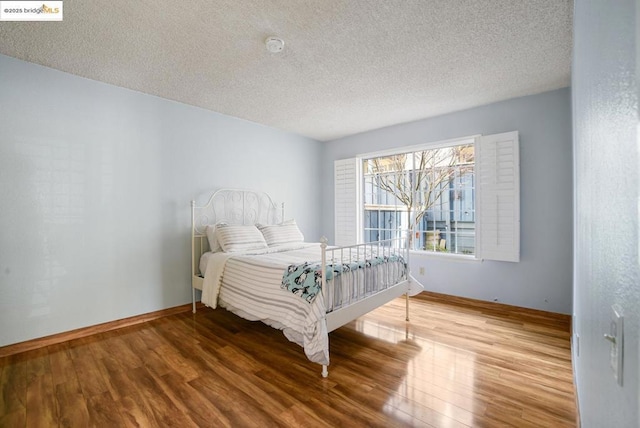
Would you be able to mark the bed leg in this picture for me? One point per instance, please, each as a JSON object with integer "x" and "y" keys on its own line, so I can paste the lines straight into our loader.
{"x": 407, "y": 308}
{"x": 193, "y": 299}
{"x": 325, "y": 372}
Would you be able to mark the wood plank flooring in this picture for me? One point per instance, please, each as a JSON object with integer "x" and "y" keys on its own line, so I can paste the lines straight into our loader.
{"x": 458, "y": 363}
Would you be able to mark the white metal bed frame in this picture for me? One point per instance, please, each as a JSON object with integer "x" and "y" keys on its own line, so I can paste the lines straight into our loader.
{"x": 238, "y": 206}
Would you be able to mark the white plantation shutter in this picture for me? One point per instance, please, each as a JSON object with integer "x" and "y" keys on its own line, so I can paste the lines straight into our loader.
{"x": 347, "y": 201}
{"x": 498, "y": 197}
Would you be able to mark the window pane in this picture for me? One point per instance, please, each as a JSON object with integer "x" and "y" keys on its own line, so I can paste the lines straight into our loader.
{"x": 432, "y": 192}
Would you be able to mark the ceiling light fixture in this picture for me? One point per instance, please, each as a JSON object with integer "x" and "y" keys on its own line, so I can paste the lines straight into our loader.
{"x": 274, "y": 44}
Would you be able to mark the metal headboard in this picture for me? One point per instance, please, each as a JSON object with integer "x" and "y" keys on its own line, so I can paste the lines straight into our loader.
{"x": 236, "y": 206}
{"x": 233, "y": 206}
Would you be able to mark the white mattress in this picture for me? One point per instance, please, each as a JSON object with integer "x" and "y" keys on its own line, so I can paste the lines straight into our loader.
{"x": 204, "y": 260}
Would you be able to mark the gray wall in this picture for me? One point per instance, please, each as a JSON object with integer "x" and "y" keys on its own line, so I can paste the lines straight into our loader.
{"x": 607, "y": 196}
{"x": 543, "y": 278}
{"x": 95, "y": 184}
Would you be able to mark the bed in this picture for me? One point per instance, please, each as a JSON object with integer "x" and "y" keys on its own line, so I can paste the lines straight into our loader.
{"x": 250, "y": 260}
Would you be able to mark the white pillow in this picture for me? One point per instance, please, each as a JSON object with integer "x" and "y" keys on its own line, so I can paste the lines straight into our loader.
{"x": 214, "y": 245}
{"x": 284, "y": 233}
{"x": 234, "y": 238}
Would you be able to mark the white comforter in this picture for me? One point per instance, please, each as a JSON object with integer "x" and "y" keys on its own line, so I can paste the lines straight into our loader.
{"x": 249, "y": 285}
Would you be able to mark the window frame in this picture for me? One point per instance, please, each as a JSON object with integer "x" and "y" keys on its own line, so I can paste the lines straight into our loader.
{"x": 460, "y": 141}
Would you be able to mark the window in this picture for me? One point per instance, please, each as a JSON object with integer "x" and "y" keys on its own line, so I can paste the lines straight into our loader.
{"x": 458, "y": 197}
{"x": 429, "y": 191}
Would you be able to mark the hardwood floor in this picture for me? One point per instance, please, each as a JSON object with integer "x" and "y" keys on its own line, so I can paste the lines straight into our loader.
{"x": 458, "y": 363}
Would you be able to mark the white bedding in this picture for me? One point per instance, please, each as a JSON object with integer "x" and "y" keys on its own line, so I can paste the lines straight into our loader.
{"x": 249, "y": 285}
{"x": 250, "y": 288}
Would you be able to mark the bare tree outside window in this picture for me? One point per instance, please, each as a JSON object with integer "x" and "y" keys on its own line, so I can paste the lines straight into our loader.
{"x": 425, "y": 184}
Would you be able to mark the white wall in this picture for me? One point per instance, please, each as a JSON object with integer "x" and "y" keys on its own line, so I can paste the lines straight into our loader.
{"x": 543, "y": 277}
{"x": 95, "y": 190}
{"x": 607, "y": 201}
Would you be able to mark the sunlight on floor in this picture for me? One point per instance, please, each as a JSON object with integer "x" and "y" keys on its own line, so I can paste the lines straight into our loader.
{"x": 439, "y": 378}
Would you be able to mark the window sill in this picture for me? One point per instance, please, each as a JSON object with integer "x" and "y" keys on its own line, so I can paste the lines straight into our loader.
{"x": 447, "y": 256}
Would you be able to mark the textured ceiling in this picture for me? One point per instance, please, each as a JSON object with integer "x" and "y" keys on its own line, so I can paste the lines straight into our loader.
{"x": 348, "y": 66}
